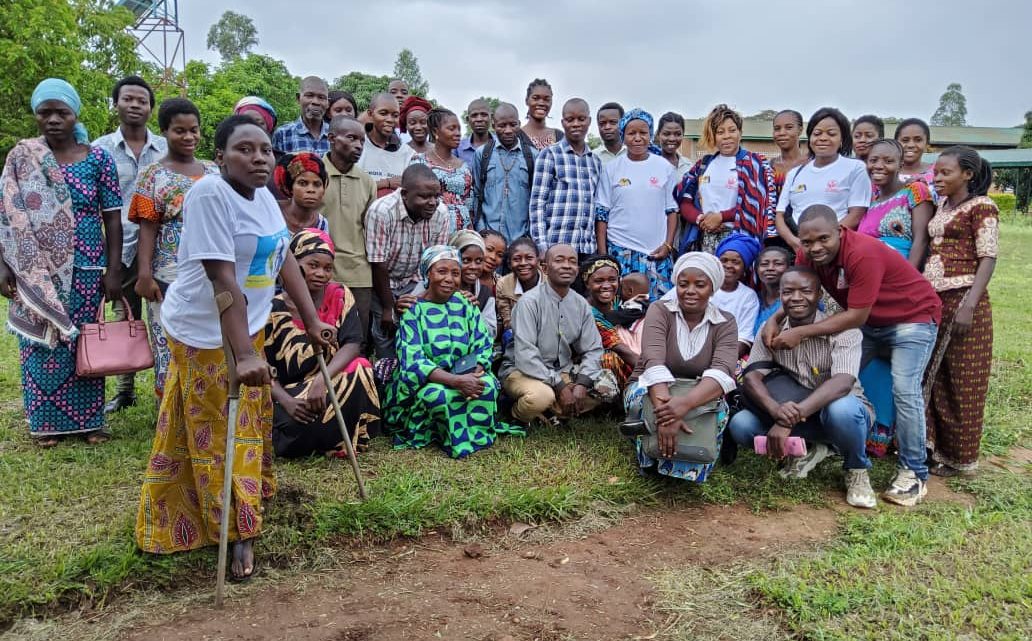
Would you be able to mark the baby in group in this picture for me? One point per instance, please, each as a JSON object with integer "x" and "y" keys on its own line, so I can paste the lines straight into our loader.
{"x": 634, "y": 300}
{"x": 634, "y": 292}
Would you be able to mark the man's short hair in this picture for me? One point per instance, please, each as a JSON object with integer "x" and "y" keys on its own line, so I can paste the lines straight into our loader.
{"x": 416, "y": 173}
{"x": 819, "y": 212}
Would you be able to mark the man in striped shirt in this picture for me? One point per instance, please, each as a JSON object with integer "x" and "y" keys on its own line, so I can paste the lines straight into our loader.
{"x": 565, "y": 175}
{"x": 835, "y": 413}
{"x": 399, "y": 227}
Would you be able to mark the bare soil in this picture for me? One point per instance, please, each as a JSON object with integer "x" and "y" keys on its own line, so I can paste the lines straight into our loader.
{"x": 502, "y": 587}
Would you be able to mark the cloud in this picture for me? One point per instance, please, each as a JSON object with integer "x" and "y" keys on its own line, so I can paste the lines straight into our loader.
{"x": 864, "y": 56}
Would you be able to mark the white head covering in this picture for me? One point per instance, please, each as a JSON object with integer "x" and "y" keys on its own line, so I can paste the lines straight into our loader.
{"x": 706, "y": 263}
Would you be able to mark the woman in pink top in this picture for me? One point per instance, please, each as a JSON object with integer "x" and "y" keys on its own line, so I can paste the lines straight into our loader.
{"x": 899, "y": 214}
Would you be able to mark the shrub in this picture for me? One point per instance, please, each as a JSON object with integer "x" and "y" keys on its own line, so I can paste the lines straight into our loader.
{"x": 1006, "y": 202}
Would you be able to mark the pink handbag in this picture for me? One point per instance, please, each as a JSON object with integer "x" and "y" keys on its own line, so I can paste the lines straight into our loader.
{"x": 112, "y": 348}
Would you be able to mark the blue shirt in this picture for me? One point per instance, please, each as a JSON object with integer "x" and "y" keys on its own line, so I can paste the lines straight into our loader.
{"x": 506, "y": 192}
{"x": 294, "y": 137}
{"x": 562, "y": 198}
{"x": 466, "y": 150}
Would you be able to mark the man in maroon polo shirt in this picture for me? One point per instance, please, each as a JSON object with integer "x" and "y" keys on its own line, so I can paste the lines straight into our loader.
{"x": 898, "y": 312}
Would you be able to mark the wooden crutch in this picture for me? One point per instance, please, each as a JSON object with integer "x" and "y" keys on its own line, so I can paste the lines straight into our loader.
{"x": 328, "y": 336}
{"x": 223, "y": 301}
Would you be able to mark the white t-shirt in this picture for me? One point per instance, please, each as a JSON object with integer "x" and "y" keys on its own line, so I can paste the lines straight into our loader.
{"x": 220, "y": 224}
{"x": 380, "y": 163}
{"x": 638, "y": 194}
{"x": 744, "y": 305}
{"x": 840, "y": 185}
{"x": 718, "y": 186}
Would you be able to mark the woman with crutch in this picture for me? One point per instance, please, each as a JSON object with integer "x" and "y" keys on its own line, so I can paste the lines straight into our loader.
{"x": 233, "y": 246}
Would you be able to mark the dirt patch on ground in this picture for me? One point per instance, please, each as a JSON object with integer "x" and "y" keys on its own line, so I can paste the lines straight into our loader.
{"x": 503, "y": 588}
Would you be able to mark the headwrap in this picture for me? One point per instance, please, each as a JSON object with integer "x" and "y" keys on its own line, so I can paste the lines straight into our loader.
{"x": 594, "y": 263}
{"x": 746, "y": 246}
{"x": 412, "y": 103}
{"x": 336, "y": 298}
{"x": 706, "y": 263}
{"x": 290, "y": 166}
{"x": 260, "y": 107}
{"x": 311, "y": 241}
{"x": 463, "y": 238}
{"x": 640, "y": 114}
{"x": 434, "y": 254}
{"x": 58, "y": 89}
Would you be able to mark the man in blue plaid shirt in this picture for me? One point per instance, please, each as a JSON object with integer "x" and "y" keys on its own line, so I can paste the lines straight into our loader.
{"x": 310, "y": 132}
{"x": 563, "y": 194}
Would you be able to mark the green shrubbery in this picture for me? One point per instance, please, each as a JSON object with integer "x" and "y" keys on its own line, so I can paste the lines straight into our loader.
{"x": 1006, "y": 202}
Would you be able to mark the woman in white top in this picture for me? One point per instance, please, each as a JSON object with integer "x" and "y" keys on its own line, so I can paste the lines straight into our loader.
{"x": 634, "y": 206}
{"x": 729, "y": 190}
{"x": 830, "y": 177}
{"x": 234, "y": 241}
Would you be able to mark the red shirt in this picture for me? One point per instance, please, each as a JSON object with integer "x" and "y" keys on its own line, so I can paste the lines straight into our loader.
{"x": 868, "y": 273}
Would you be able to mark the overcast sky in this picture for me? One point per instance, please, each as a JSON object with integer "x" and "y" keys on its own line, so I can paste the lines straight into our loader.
{"x": 887, "y": 57}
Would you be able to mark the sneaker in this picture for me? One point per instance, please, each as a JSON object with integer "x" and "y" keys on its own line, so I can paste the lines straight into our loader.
{"x": 858, "y": 489}
{"x": 906, "y": 489}
{"x": 800, "y": 467}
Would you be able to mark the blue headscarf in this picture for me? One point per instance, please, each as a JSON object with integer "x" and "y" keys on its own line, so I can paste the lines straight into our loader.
{"x": 747, "y": 247}
{"x": 58, "y": 89}
{"x": 433, "y": 254}
{"x": 640, "y": 114}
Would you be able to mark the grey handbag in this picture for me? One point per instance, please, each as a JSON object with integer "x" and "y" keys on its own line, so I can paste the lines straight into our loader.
{"x": 698, "y": 447}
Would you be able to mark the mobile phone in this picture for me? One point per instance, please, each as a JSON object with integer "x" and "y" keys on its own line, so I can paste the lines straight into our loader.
{"x": 794, "y": 445}
{"x": 466, "y": 365}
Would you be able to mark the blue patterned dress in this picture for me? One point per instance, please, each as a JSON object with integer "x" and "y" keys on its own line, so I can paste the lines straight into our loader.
{"x": 57, "y": 401}
{"x": 418, "y": 412}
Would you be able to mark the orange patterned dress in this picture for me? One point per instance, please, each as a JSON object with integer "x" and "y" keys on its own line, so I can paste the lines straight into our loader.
{"x": 181, "y": 501}
{"x": 959, "y": 239}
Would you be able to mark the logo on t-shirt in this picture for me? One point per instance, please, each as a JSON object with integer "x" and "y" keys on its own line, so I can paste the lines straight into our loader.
{"x": 623, "y": 182}
{"x": 269, "y": 254}
{"x": 732, "y": 182}
{"x": 654, "y": 181}
{"x": 800, "y": 188}
{"x": 832, "y": 186}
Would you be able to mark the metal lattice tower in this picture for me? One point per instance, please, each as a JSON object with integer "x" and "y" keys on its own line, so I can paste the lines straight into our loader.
{"x": 157, "y": 32}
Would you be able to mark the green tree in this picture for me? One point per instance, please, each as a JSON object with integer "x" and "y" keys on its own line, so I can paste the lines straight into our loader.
{"x": 952, "y": 111}
{"x": 406, "y": 67}
{"x": 1023, "y": 175}
{"x": 362, "y": 86}
{"x": 82, "y": 41}
{"x": 233, "y": 36}
{"x": 216, "y": 90}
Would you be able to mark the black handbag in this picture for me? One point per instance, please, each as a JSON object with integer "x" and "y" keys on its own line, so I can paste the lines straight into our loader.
{"x": 781, "y": 385}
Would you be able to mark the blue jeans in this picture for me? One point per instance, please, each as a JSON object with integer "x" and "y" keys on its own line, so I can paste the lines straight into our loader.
{"x": 908, "y": 346}
{"x": 843, "y": 424}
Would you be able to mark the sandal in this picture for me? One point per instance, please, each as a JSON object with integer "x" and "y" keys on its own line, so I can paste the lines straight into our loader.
{"x": 946, "y": 471}
{"x": 98, "y": 438}
{"x": 47, "y": 442}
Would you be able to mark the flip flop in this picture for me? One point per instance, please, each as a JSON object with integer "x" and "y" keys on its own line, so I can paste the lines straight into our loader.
{"x": 47, "y": 442}
{"x": 98, "y": 438}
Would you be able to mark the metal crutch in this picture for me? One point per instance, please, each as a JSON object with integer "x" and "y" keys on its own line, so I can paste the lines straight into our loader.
{"x": 328, "y": 335}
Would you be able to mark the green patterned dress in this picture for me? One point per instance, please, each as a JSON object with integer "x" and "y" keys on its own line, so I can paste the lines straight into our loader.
{"x": 418, "y": 412}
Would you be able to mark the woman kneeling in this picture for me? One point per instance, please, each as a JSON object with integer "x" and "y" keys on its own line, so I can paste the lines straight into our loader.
{"x": 686, "y": 338}
{"x": 443, "y": 389}
{"x": 304, "y": 422}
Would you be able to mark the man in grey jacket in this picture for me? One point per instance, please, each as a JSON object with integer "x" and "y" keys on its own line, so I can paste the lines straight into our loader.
{"x": 553, "y": 364}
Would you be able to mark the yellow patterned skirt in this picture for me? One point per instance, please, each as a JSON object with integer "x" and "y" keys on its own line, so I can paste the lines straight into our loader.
{"x": 181, "y": 500}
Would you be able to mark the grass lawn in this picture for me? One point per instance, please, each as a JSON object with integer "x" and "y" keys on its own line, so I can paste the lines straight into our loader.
{"x": 67, "y": 514}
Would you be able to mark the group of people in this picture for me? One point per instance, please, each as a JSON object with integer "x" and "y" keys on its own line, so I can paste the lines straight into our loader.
{"x": 469, "y": 286}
